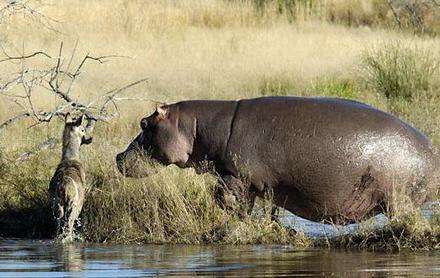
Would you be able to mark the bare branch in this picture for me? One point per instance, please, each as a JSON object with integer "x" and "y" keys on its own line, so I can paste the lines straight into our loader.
{"x": 68, "y": 67}
{"x": 77, "y": 72}
{"x": 10, "y": 58}
{"x": 5, "y": 87}
{"x": 25, "y": 9}
{"x": 101, "y": 60}
{"x": 51, "y": 78}
{"x": 109, "y": 96}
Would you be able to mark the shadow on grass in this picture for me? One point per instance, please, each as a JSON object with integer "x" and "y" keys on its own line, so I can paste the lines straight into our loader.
{"x": 33, "y": 222}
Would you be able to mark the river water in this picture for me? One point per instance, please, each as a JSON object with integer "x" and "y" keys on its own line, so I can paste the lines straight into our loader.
{"x": 27, "y": 258}
{"x": 31, "y": 258}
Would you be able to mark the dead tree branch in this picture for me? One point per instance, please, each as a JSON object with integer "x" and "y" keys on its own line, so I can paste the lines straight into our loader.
{"x": 29, "y": 10}
{"x": 51, "y": 78}
{"x": 11, "y": 58}
{"x": 110, "y": 96}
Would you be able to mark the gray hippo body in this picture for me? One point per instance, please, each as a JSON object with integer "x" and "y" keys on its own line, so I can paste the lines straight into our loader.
{"x": 319, "y": 158}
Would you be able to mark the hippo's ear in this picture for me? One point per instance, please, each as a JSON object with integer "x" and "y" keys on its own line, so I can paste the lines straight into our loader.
{"x": 162, "y": 112}
{"x": 144, "y": 123}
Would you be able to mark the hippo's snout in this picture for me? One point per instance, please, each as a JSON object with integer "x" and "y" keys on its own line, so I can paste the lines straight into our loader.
{"x": 131, "y": 164}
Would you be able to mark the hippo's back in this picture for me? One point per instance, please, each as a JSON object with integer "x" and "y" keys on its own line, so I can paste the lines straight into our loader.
{"x": 327, "y": 157}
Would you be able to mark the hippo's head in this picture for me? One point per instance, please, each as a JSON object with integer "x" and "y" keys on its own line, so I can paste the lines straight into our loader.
{"x": 167, "y": 137}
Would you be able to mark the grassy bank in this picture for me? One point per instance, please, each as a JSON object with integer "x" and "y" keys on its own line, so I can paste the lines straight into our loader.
{"x": 210, "y": 50}
{"x": 409, "y": 231}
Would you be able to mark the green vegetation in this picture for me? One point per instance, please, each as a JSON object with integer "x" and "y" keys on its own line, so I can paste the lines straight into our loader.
{"x": 401, "y": 72}
{"x": 335, "y": 88}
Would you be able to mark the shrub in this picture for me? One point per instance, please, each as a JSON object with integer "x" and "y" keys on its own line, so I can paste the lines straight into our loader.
{"x": 400, "y": 72}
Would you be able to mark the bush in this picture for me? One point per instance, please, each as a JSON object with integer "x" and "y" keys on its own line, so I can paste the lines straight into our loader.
{"x": 400, "y": 72}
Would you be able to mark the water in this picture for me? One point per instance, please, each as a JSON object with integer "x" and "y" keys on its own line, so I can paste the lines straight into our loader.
{"x": 26, "y": 258}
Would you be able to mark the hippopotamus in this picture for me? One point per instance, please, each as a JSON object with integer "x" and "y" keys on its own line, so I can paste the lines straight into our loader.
{"x": 319, "y": 158}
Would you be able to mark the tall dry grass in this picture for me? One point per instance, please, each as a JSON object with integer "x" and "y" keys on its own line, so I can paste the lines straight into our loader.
{"x": 188, "y": 49}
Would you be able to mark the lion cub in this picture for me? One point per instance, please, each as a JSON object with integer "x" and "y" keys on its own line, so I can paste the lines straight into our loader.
{"x": 67, "y": 187}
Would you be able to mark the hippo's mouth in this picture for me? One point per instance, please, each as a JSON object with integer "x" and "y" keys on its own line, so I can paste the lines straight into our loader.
{"x": 136, "y": 165}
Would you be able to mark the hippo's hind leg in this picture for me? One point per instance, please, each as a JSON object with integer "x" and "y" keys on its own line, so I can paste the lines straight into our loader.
{"x": 367, "y": 198}
{"x": 233, "y": 194}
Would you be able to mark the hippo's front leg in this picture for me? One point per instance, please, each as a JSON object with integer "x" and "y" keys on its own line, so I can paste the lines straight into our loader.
{"x": 233, "y": 194}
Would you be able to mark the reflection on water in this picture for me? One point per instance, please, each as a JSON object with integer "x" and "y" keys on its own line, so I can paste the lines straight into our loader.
{"x": 42, "y": 259}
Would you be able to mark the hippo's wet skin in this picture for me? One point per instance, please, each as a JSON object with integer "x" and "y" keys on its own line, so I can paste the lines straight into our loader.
{"x": 319, "y": 158}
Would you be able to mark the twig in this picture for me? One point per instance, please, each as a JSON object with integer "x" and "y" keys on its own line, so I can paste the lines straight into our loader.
{"x": 22, "y": 7}
{"x": 68, "y": 66}
{"x": 10, "y": 58}
{"x": 111, "y": 94}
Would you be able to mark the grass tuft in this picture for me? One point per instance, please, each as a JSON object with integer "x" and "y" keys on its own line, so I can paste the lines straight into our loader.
{"x": 275, "y": 86}
{"x": 335, "y": 88}
{"x": 400, "y": 72}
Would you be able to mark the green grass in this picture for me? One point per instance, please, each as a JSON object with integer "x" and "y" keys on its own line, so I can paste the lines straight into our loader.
{"x": 335, "y": 88}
